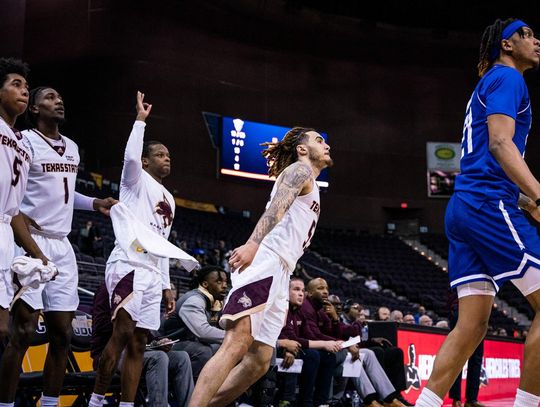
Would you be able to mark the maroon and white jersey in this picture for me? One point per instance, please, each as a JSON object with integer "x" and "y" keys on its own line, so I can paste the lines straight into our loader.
{"x": 50, "y": 191}
{"x": 16, "y": 156}
{"x": 292, "y": 235}
{"x": 147, "y": 198}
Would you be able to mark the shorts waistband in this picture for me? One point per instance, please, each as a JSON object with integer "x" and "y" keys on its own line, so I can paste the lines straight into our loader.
{"x": 5, "y": 218}
{"x": 46, "y": 234}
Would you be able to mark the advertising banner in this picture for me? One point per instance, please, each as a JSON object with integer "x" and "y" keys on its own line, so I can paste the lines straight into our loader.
{"x": 501, "y": 366}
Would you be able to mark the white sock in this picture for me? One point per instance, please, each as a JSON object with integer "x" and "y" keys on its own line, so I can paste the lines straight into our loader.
{"x": 428, "y": 399}
{"x": 48, "y": 401}
{"x": 96, "y": 400}
{"x": 126, "y": 404}
{"x": 7, "y": 404}
{"x": 524, "y": 399}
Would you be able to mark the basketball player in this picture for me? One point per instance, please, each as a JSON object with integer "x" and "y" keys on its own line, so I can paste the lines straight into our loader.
{"x": 49, "y": 200}
{"x": 136, "y": 290}
{"x": 490, "y": 238}
{"x": 16, "y": 157}
{"x": 257, "y": 305}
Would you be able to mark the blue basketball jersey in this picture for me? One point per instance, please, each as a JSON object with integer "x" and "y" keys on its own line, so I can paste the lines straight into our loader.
{"x": 502, "y": 90}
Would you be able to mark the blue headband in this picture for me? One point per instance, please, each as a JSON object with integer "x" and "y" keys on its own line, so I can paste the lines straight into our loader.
{"x": 508, "y": 31}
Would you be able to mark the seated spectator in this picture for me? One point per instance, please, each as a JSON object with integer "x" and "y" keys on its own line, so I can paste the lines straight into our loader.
{"x": 425, "y": 320}
{"x": 372, "y": 284}
{"x": 194, "y": 322}
{"x": 390, "y": 357}
{"x": 319, "y": 361}
{"x": 322, "y": 322}
{"x": 173, "y": 238}
{"x": 443, "y": 323}
{"x": 409, "y": 319}
{"x": 421, "y": 311}
{"x": 352, "y": 312}
{"x": 382, "y": 314}
{"x": 397, "y": 316}
{"x": 336, "y": 302}
{"x": 90, "y": 241}
{"x": 183, "y": 245}
{"x": 160, "y": 366}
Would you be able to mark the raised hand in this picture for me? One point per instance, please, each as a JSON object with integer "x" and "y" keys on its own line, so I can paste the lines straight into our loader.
{"x": 143, "y": 108}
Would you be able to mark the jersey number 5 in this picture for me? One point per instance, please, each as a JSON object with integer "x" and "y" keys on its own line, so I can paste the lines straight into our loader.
{"x": 16, "y": 171}
{"x": 309, "y": 235}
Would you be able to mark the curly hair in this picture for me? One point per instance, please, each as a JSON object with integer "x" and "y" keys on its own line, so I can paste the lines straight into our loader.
{"x": 12, "y": 65}
{"x": 491, "y": 38}
{"x": 283, "y": 153}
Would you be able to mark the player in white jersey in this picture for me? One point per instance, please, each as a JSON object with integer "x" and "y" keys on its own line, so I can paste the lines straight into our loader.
{"x": 15, "y": 158}
{"x": 49, "y": 200}
{"x": 136, "y": 288}
{"x": 256, "y": 307}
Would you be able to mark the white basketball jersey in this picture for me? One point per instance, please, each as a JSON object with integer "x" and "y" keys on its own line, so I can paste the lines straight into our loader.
{"x": 292, "y": 235}
{"x": 16, "y": 156}
{"x": 148, "y": 199}
{"x": 51, "y": 183}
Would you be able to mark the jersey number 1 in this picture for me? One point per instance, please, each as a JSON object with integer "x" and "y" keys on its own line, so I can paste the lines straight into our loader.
{"x": 66, "y": 191}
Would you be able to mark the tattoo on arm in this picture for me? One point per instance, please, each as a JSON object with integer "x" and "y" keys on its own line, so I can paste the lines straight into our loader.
{"x": 289, "y": 187}
{"x": 526, "y": 203}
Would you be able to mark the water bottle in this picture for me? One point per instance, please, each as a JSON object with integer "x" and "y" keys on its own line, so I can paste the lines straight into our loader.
{"x": 364, "y": 334}
{"x": 355, "y": 400}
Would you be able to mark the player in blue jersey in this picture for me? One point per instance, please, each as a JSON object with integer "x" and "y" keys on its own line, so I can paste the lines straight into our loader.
{"x": 491, "y": 240}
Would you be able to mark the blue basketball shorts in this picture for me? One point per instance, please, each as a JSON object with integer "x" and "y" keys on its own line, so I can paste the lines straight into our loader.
{"x": 494, "y": 243}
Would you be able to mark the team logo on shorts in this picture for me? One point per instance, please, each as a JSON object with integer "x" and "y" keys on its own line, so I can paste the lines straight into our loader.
{"x": 245, "y": 301}
{"x": 117, "y": 299}
{"x": 163, "y": 208}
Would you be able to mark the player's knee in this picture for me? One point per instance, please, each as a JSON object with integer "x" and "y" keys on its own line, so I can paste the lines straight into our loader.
{"x": 261, "y": 366}
{"x": 22, "y": 333}
{"x": 137, "y": 343}
{"x": 60, "y": 340}
{"x": 237, "y": 348}
{"x": 473, "y": 329}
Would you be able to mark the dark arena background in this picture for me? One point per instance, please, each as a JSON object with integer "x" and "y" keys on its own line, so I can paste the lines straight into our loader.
{"x": 380, "y": 80}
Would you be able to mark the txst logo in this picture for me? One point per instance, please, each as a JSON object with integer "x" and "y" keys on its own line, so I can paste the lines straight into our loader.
{"x": 163, "y": 208}
{"x": 245, "y": 300}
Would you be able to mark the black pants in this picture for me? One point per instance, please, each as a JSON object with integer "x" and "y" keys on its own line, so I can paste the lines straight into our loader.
{"x": 314, "y": 381}
{"x": 391, "y": 360}
{"x": 474, "y": 367}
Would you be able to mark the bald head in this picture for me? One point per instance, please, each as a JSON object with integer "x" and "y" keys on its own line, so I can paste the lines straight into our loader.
{"x": 313, "y": 284}
{"x": 317, "y": 290}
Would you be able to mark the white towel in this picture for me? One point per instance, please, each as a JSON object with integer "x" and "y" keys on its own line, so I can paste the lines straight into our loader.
{"x": 135, "y": 238}
{"x": 32, "y": 272}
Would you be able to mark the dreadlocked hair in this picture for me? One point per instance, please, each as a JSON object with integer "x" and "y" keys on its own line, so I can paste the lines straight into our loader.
{"x": 283, "y": 153}
{"x": 31, "y": 118}
{"x": 491, "y": 38}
